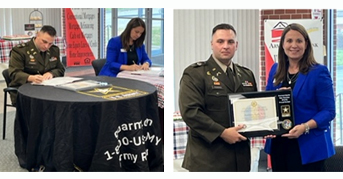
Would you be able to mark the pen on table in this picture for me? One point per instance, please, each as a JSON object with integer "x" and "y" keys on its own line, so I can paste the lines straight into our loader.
{"x": 38, "y": 73}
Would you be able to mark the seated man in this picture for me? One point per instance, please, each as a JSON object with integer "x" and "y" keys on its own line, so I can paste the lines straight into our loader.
{"x": 35, "y": 61}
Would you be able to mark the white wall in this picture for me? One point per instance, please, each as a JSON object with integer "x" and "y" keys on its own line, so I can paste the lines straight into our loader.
{"x": 193, "y": 33}
{"x": 12, "y": 20}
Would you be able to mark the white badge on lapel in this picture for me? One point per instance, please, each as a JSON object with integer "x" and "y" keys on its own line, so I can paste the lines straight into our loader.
{"x": 123, "y": 50}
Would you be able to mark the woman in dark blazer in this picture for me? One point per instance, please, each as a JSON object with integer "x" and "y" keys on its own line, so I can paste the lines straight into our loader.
{"x": 127, "y": 51}
{"x": 309, "y": 142}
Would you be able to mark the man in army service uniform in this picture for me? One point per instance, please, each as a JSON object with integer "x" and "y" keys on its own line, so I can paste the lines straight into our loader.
{"x": 35, "y": 61}
{"x": 212, "y": 144}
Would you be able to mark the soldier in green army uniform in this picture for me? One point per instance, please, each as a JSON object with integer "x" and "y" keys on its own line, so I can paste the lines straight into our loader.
{"x": 212, "y": 144}
{"x": 35, "y": 61}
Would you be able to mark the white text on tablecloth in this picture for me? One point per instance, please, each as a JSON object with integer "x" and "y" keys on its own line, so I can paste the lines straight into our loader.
{"x": 136, "y": 140}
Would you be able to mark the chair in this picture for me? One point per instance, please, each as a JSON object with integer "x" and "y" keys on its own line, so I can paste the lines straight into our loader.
{"x": 264, "y": 162}
{"x": 98, "y": 64}
{"x": 8, "y": 89}
{"x": 335, "y": 163}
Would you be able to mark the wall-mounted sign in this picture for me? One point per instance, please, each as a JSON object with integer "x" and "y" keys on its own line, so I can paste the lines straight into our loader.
{"x": 81, "y": 36}
{"x": 317, "y": 14}
{"x": 29, "y": 29}
{"x": 273, "y": 29}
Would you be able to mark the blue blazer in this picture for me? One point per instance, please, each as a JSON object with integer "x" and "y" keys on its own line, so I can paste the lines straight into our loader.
{"x": 117, "y": 56}
{"x": 313, "y": 98}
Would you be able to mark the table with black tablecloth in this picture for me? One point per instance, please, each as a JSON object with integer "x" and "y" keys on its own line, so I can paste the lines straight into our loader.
{"x": 158, "y": 82}
{"x": 65, "y": 130}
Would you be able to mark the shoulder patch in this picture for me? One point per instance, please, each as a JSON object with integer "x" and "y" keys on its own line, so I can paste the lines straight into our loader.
{"x": 241, "y": 66}
{"x": 54, "y": 46}
{"x": 22, "y": 45}
{"x": 198, "y": 64}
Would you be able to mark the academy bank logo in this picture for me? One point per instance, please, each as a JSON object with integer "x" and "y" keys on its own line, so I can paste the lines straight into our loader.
{"x": 277, "y": 31}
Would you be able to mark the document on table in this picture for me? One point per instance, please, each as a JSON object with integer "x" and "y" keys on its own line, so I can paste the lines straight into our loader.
{"x": 58, "y": 81}
{"x": 82, "y": 85}
{"x": 153, "y": 71}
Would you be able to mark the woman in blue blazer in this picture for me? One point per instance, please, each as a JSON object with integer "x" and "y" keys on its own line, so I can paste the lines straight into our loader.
{"x": 127, "y": 51}
{"x": 306, "y": 146}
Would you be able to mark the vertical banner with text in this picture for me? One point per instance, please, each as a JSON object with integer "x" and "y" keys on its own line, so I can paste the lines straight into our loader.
{"x": 272, "y": 35}
{"x": 81, "y": 36}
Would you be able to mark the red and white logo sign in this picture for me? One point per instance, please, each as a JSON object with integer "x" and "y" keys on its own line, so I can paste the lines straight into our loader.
{"x": 273, "y": 29}
{"x": 277, "y": 31}
{"x": 81, "y": 36}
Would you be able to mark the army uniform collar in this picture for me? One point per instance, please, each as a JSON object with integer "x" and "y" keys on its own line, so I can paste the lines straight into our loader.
{"x": 217, "y": 75}
{"x": 34, "y": 42}
{"x": 221, "y": 65}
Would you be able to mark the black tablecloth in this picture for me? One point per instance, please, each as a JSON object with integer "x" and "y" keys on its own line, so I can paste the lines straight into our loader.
{"x": 64, "y": 130}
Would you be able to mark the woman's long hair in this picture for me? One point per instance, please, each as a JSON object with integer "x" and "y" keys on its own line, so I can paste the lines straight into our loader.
{"x": 125, "y": 35}
{"x": 305, "y": 63}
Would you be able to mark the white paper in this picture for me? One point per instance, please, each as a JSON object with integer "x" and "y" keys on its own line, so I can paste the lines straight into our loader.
{"x": 256, "y": 114}
{"x": 58, "y": 81}
{"x": 153, "y": 71}
{"x": 82, "y": 85}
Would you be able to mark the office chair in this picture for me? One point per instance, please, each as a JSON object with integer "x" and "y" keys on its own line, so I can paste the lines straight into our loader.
{"x": 8, "y": 89}
{"x": 335, "y": 163}
{"x": 98, "y": 64}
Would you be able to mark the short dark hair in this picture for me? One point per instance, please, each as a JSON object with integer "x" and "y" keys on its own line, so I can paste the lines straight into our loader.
{"x": 125, "y": 35}
{"x": 49, "y": 29}
{"x": 223, "y": 26}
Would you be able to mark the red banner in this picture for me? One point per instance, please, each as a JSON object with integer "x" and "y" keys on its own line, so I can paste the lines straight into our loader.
{"x": 79, "y": 51}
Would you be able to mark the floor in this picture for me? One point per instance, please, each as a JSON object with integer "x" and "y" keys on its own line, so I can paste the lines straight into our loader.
{"x": 262, "y": 166}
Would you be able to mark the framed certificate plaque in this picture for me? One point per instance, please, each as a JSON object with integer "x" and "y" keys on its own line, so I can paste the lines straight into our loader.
{"x": 262, "y": 113}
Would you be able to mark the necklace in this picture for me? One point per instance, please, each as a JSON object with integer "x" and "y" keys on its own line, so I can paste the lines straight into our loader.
{"x": 293, "y": 79}
{"x": 131, "y": 48}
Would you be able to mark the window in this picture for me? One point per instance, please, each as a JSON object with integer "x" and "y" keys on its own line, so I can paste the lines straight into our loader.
{"x": 117, "y": 19}
{"x": 338, "y": 124}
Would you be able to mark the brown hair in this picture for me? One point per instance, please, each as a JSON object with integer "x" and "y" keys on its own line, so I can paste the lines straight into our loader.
{"x": 305, "y": 62}
{"x": 223, "y": 26}
{"x": 125, "y": 35}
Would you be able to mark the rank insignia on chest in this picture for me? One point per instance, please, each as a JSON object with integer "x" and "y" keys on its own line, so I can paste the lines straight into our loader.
{"x": 216, "y": 83}
{"x": 214, "y": 78}
{"x": 247, "y": 83}
{"x": 32, "y": 61}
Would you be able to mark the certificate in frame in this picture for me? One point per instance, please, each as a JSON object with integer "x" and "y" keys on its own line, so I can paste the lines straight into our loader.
{"x": 262, "y": 113}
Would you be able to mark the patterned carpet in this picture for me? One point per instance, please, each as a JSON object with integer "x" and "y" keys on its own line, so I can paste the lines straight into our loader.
{"x": 8, "y": 159}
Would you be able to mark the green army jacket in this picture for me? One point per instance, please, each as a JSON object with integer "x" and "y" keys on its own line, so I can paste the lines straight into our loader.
{"x": 26, "y": 60}
{"x": 203, "y": 101}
